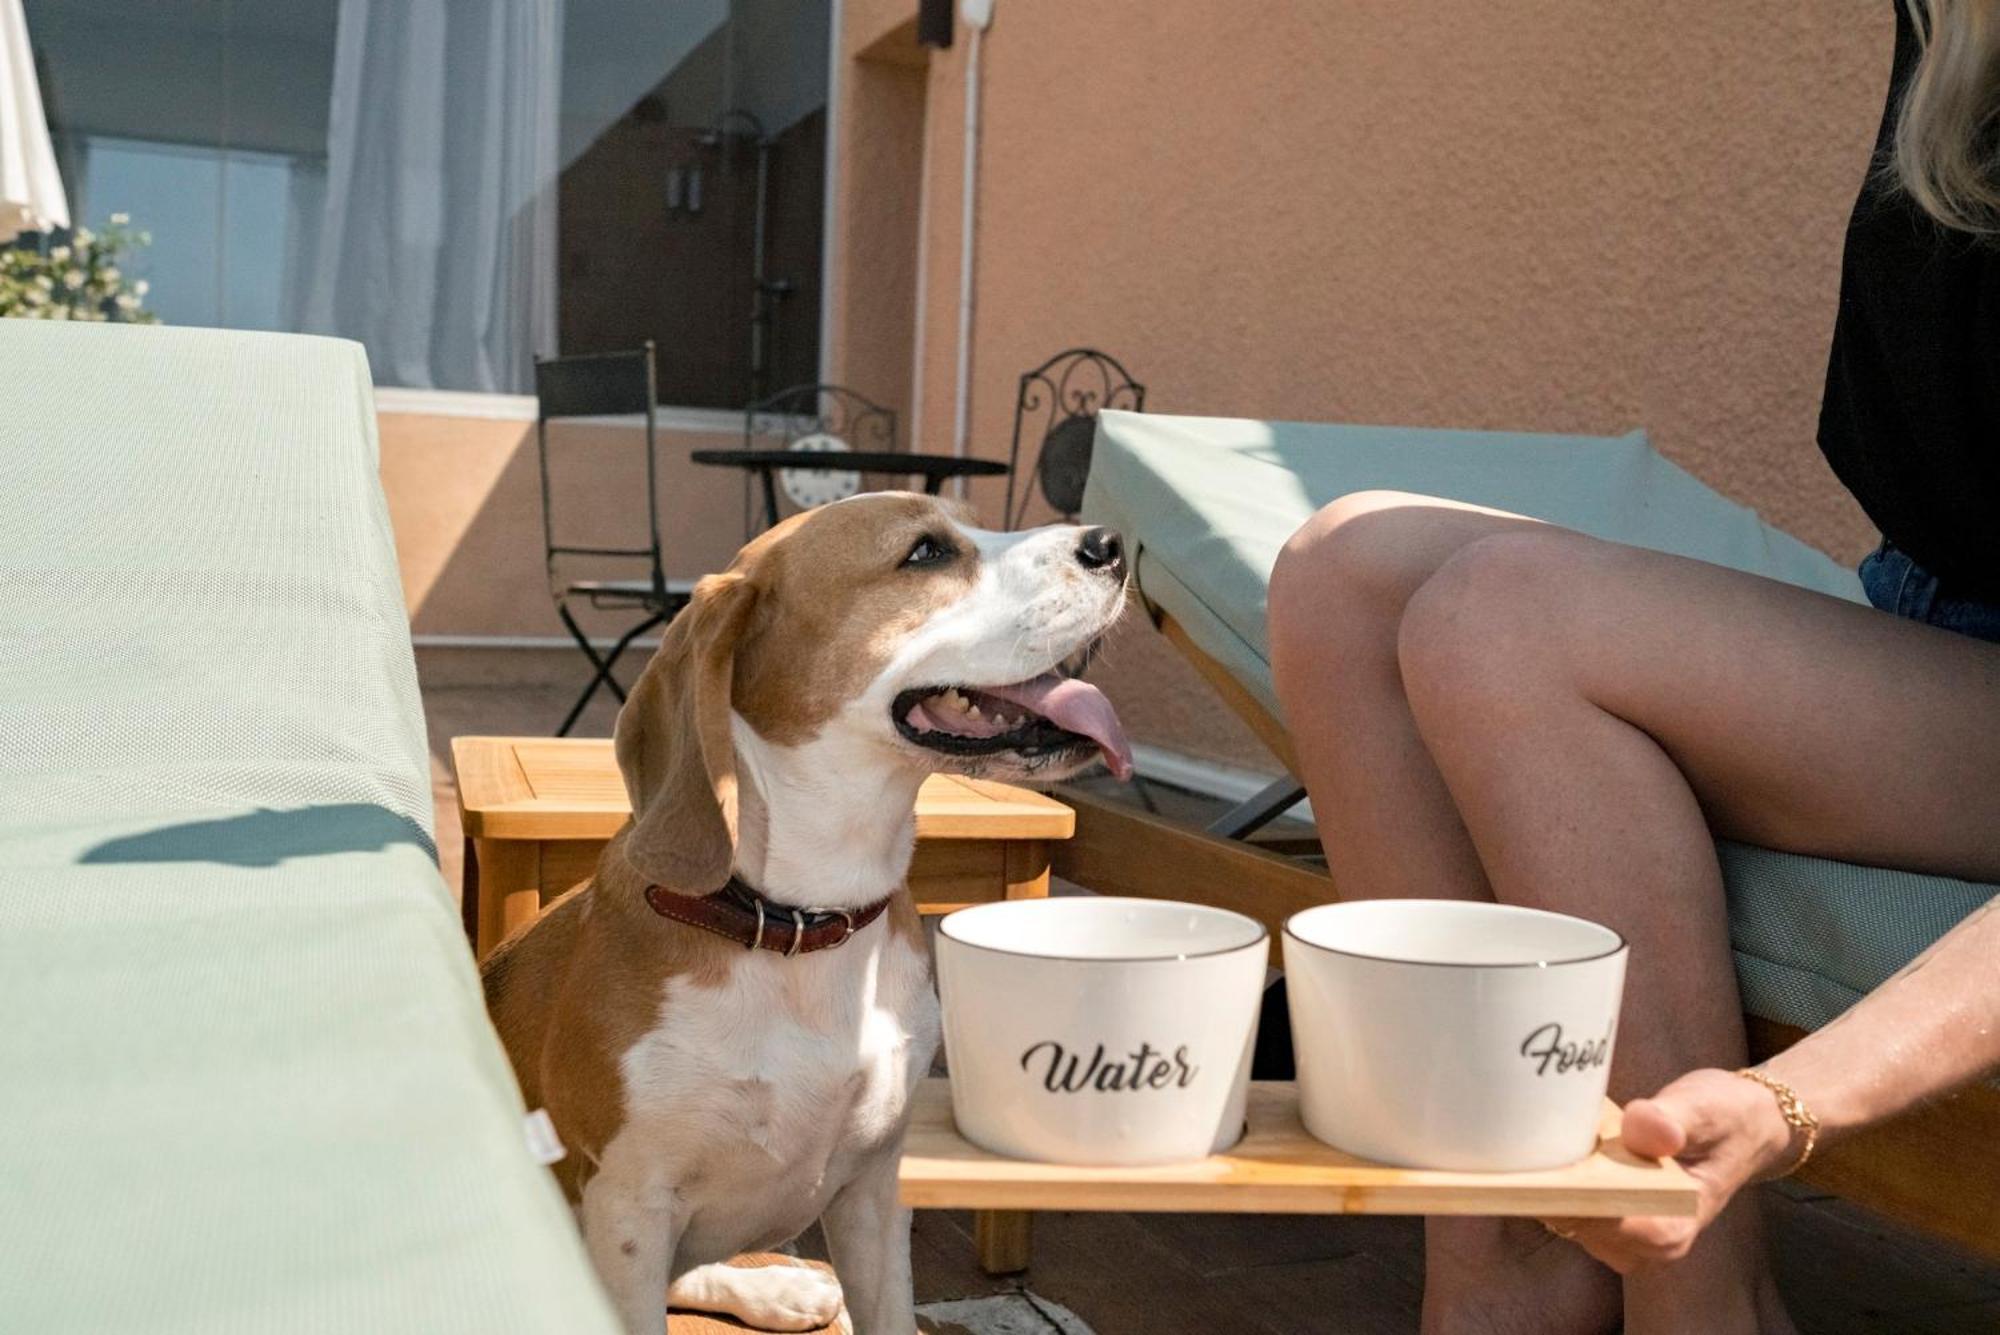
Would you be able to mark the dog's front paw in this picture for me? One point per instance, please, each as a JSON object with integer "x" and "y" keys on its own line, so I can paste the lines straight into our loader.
{"x": 778, "y": 1296}
{"x": 790, "y": 1297}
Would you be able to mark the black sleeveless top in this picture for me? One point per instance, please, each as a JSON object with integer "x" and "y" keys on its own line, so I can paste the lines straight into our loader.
{"x": 1911, "y": 417}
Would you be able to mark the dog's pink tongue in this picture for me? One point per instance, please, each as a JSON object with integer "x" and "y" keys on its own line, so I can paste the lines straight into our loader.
{"x": 1078, "y": 707}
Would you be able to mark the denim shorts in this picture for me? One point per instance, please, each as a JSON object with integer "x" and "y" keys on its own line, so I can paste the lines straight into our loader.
{"x": 1897, "y": 584}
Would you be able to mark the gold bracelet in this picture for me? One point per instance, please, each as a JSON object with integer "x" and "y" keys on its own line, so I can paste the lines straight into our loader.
{"x": 1793, "y": 1109}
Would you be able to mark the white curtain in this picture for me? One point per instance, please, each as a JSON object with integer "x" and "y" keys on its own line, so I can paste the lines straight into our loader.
{"x": 436, "y": 247}
{"x": 31, "y": 190}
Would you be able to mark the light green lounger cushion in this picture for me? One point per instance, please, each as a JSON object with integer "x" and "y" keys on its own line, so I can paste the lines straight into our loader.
{"x": 1205, "y": 504}
{"x": 246, "y": 1080}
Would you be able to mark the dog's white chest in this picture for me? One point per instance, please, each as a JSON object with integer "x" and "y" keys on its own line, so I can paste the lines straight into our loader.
{"x": 754, "y": 1101}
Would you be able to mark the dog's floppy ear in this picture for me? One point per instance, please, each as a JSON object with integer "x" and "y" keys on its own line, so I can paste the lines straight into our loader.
{"x": 674, "y": 746}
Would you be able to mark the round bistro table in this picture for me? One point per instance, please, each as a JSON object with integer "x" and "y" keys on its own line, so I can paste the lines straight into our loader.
{"x": 932, "y": 468}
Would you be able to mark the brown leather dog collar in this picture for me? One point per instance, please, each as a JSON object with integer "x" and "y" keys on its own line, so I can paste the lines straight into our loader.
{"x": 747, "y": 918}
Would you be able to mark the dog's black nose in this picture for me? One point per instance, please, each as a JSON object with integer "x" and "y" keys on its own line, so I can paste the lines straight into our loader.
{"x": 1101, "y": 549}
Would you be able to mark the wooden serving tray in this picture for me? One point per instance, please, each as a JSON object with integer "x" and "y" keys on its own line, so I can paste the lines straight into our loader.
{"x": 1277, "y": 1169}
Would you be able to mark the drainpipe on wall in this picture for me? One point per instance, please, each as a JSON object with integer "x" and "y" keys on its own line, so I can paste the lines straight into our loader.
{"x": 833, "y": 283}
{"x": 978, "y": 15}
{"x": 921, "y": 311}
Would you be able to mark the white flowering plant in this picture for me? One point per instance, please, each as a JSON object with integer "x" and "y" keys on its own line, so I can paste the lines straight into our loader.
{"x": 76, "y": 276}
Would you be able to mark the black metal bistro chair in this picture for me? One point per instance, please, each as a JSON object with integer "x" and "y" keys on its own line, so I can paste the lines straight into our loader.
{"x": 808, "y": 418}
{"x": 603, "y": 385}
{"x": 1056, "y": 410}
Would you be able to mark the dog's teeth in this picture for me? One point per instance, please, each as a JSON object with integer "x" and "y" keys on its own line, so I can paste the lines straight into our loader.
{"x": 972, "y": 711}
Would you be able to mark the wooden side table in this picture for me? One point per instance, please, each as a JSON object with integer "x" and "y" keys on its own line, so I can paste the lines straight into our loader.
{"x": 538, "y": 810}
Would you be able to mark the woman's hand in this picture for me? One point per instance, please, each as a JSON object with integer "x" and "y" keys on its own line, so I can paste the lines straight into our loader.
{"x": 1931, "y": 1029}
{"x": 1725, "y": 1131}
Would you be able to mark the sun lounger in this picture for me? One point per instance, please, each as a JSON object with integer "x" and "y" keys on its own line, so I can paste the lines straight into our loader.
{"x": 246, "y": 1076}
{"x": 1206, "y": 503}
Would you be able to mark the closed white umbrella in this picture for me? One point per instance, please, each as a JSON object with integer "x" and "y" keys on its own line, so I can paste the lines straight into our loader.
{"x": 31, "y": 190}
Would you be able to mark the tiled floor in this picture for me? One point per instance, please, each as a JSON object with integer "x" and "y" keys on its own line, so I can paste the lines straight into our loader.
{"x": 1843, "y": 1271}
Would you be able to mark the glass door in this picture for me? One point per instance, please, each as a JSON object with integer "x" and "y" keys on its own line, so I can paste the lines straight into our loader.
{"x": 693, "y": 190}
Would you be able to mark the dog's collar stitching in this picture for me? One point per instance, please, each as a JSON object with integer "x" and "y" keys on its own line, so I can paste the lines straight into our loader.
{"x": 736, "y": 912}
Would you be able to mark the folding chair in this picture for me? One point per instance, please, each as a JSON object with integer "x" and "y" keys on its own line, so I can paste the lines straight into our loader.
{"x": 1056, "y": 407}
{"x": 604, "y": 385}
{"x": 801, "y": 417}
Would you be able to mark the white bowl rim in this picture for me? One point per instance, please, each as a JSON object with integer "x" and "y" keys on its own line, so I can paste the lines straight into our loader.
{"x": 1262, "y": 939}
{"x": 1620, "y": 946}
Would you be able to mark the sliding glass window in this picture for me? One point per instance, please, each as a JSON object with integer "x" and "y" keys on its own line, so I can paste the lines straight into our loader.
{"x": 462, "y": 185}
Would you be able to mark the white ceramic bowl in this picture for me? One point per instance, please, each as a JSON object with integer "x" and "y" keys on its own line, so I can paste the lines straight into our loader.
{"x": 1098, "y": 1030}
{"x": 1450, "y": 1034}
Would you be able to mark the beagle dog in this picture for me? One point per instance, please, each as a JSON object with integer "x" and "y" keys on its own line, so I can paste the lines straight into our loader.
{"x": 726, "y": 1022}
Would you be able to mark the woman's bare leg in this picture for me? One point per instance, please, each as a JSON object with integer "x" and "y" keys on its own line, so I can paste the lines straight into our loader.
{"x": 1595, "y": 711}
{"x": 1336, "y": 603}
{"x": 1389, "y": 828}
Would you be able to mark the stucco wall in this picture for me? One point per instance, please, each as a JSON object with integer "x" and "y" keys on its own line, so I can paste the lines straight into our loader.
{"x": 1537, "y": 215}
{"x": 877, "y": 202}
{"x": 465, "y": 502}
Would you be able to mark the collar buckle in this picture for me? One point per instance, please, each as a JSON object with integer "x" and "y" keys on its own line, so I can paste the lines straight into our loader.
{"x": 846, "y": 923}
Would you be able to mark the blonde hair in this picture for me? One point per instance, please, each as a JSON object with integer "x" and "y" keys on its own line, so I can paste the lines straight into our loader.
{"x": 1948, "y": 129}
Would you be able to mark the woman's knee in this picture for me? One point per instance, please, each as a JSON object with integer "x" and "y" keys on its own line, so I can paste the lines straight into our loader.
{"x": 1494, "y": 619}
{"x": 1342, "y": 559}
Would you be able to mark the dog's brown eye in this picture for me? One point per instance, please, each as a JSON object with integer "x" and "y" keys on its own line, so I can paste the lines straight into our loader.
{"x": 928, "y": 551}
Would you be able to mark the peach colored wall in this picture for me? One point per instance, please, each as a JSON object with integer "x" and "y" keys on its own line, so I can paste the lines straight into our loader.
{"x": 1533, "y": 215}
{"x": 465, "y": 502}
{"x": 874, "y": 261}
{"x": 866, "y": 22}
{"x": 1538, "y": 215}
